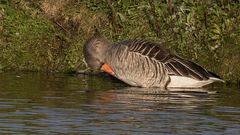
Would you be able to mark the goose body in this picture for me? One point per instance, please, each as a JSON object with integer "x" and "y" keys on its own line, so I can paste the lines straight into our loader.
{"x": 145, "y": 63}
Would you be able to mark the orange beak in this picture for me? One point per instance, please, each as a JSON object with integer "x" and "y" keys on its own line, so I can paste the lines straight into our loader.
{"x": 106, "y": 68}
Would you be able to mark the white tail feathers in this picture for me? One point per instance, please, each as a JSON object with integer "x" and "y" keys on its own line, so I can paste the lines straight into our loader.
{"x": 216, "y": 79}
{"x": 186, "y": 82}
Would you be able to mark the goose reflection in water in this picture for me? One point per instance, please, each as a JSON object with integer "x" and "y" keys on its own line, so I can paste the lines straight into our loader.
{"x": 154, "y": 98}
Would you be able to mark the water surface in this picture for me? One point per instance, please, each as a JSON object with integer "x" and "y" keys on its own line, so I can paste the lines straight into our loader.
{"x": 37, "y": 103}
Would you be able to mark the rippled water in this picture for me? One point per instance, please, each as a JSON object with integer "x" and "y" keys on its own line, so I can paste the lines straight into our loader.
{"x": 34, "y": 103}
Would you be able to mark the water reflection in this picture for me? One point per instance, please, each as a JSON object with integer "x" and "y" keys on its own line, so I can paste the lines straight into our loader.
{"x": 157, "y": 98}
{"x": 34, "y": 103}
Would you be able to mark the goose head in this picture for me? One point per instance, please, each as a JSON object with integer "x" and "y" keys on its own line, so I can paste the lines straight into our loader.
{"x": 94, "y": 51}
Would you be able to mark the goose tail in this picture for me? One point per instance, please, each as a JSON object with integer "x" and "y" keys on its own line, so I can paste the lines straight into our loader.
{"x": 215, "y": 77}
{"x": 187, "y": 82}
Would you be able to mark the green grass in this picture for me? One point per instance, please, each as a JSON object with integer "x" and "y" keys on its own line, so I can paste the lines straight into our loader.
{"x": 46, "y": 35}
{"x": 27, "y": 40}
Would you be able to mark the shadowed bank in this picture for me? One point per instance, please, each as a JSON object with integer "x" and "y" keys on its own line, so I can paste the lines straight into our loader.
{"x": 46, "y": 35}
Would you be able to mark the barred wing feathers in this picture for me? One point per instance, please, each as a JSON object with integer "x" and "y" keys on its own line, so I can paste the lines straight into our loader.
{"x": 173, "y": 63}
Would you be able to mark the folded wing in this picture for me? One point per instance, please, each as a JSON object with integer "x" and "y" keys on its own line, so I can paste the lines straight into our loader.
{"x": 174, "y": 64}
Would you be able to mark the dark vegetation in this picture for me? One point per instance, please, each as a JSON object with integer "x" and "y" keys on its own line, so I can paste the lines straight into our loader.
{"x": 48, "y": 35}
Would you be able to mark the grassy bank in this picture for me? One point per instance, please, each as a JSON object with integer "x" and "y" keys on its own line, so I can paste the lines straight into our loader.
{"x": 48, "y": 35}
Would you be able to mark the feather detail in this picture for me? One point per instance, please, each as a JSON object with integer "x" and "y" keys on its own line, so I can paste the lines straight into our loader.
{"x": 173, "y": 63}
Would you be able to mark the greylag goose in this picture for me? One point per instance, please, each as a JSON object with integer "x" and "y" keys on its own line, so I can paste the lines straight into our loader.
{"x": 144, "y": 63}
